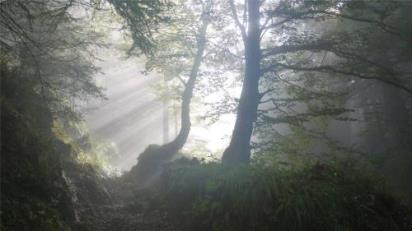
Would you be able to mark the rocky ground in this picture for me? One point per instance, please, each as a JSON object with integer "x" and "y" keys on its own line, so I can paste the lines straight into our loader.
{"x": 111, "y": 204}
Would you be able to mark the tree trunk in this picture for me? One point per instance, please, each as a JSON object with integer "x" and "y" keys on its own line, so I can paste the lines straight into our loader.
{"x": 151, "y": 161}
{"x": 181, "y": 138}
{"x": 165, "y": 119}
{"x": 238, "y": 150}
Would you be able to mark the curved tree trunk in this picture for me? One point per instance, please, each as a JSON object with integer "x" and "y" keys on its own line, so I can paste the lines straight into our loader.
{"x": 150, "y": 162}
{"x": 238, "y": 150}
{"x": 174, "y": 146}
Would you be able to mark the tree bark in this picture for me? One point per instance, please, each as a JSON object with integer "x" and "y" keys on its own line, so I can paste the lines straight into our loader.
{"x": 239, "y": 148}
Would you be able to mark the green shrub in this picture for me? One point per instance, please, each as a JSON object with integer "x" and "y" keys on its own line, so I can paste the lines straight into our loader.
{"x": 319, "y": 197}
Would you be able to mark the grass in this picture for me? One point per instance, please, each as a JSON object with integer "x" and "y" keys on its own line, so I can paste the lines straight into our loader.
{"x": 318, "y": 197}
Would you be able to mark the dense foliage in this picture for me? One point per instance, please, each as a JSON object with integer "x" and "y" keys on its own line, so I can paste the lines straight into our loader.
{"x": 316, "y": 197}
{"x": 47, "y": 65}
{"x": 34, "y": 193}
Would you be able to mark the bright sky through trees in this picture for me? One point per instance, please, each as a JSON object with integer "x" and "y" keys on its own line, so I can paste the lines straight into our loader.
{"x": 131, "y": 117}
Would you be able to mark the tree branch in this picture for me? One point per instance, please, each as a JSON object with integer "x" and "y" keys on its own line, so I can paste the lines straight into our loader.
{"x": 237, "y": 21}
{"x": 345, "y": 72}
{"x": 320, "y": 45}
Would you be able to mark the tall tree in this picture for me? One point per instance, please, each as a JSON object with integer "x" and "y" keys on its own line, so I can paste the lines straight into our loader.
{"x": 285, "y": 22}
{"x": 239, "y": 147}
{"x": 151, "y": 161}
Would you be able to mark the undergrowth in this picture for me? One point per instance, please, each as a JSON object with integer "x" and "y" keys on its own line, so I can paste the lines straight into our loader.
{"x": 212, "y": 196}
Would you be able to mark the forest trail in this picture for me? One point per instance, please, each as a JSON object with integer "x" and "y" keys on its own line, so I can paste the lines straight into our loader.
{"x": 136, "y": 215}
{"x": 103, "y": 203}
{"x": 133, "y": 217}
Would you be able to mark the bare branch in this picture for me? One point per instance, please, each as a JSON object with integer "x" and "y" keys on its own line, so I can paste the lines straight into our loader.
{"x": 262, "y": 94}
{"x": 320, "y": 45}
{"x": 327, "y": 68}
{"x": 237, "y": 21}
{"x": 182, "y": 81}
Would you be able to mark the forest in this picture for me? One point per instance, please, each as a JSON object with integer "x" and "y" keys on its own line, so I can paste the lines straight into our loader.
{"x": 206, "y": 115}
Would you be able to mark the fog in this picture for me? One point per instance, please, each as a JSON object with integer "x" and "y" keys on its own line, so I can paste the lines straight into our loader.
{"x": 132, "y": 116}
